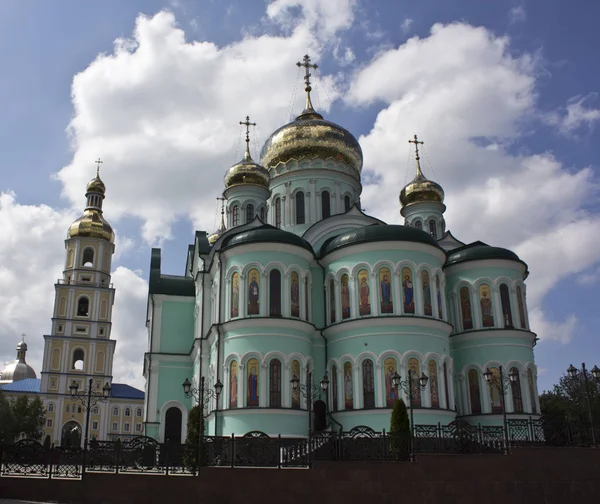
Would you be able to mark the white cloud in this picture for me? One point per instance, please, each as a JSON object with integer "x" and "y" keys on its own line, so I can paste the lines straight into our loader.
{"x": 406, "y": 24}
{"x": 590, "y": 277}
{"x": 517, "y": 14}
{"x": 578, "y": 114}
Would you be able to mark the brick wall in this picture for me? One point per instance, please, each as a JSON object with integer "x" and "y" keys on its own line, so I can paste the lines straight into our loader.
{"x": 531, "y": 476}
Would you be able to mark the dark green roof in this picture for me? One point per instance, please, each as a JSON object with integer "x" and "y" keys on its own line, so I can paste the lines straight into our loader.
{"x": 378, "y": 233}
{"x": 264, "y": 234}
{"x": 479, "y": 251}
{"x": 171, "y": 285}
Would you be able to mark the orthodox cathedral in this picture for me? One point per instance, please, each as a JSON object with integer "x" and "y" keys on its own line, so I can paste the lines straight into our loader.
{"x": 299, "y": 287}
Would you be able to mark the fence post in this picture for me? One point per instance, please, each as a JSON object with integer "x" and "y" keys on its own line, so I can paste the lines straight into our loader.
{"x": 50, "y": 460}
{"x": 166, "y": 447}
{"x": 232, "y": 449}
{"x": 531, "y": 435}
{"x": 117, "y": 456}
{"x": 279, "y": 451}
{"x": 438, "y": 437}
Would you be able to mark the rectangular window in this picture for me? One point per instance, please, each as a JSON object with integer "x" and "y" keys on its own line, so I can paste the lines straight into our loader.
{"x": 49, "y": 422}
{"x": 67, "y": 408}
{"x": 126, "y": 427}
{"x": 138, "y": 427}
{"x": 115, "y": 426}
{"x": 94, "y": 425}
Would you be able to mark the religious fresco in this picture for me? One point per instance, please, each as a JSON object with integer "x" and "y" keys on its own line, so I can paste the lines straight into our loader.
{"x": 465, "y": 309}
{"x": 253, "y": 292}
{"x": 385, "y": 286}
{"x": 434, "y": 392}
{"x": 295, "y": 393}
{"x": 233, "y": 384}
{"x": 517, "y": 395}
{"x": 438, "y": 291}
{"x": 428, "y": 310}
{"x": 413, "y": 367}
{"x": 474, "y": 394}
{"x": 331, "y": 301}
{"x": 495, "y": 394}
{"x": 275, "y": 293}
{"x": 235, "y": 295}
{"x": 295, "y": 295}
{"x": 521, "y": 307}
{"x": 408, "y": 290}
{"x": 334, "y": 388}
{"x": 485, "y": 300}
{"x": 368, "y": 384}
{"x": 348, "y": 390}
{"x": 252, "y": 386}
{"x": 505, "y": 302}
{"x": 364, "y": 293}
{"x": 345, "y": 294}
{"x": 390, "y": 367}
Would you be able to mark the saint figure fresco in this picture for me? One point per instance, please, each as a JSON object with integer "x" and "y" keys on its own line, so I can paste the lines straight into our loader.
{"x": 364, "y": 297}
{"x": 387, "y": 305}
{"x": 485, "y": 300}
{"x": 233, "y": 384}
{"x": 391, "y": 393}
{"x": 295, "y": 393}
{"x": 295, "y": 295}
{"x": 434, "y": 393}
{"x": 252, "y": 386}
{"x": 348, "y": 391}
{"x": 235, "y": 295}
{"x": 345, "y": 293}
{"x": 331, "y": 301}
{"x": 413, "y": 367}
{"x": 465, "y": 308}
{"x": 253, "y": 292}
{"x": 427, "y": 309}
{"x": 306, "y": 303}
{"x": 408, "y": 291}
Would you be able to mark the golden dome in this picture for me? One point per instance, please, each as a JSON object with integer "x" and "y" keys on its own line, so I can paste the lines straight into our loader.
{"x": 91, "y": 225}
{"x": 420, "y": 188}
{"x": 96, "y": 185}
{"x": 247, "y": 172}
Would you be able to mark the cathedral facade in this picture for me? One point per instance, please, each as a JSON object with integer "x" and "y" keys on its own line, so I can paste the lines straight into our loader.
{"x": 299, "y": 283}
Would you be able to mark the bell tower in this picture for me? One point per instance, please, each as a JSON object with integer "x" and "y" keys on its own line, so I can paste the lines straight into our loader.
{"x": 79, "y": 346}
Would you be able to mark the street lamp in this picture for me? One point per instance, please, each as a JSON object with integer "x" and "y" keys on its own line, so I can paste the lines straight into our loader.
{"x": 502, "y": 383}
{"x": 572, "y": 370}
{"x": 202, "y": 395}
{"x": 407, "y": 386}
{"x": 88, "y": 399}
{"x": 310, "y": 391}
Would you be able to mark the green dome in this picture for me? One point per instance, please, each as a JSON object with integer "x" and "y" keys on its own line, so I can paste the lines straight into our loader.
{"x": 378, "y": 233}
{"x": 480, "y": 251}
{"x": 265, "y": 234}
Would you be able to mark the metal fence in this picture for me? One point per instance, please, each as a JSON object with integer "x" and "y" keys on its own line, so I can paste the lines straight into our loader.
{"x": 144, "y": 455}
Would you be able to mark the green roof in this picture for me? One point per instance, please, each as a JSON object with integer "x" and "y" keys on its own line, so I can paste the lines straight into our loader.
{"x": 479, "y": 251}
{"x": 264, "y": 234}
{"x": 171, "y": 285}
{"x": 378, "y": 233}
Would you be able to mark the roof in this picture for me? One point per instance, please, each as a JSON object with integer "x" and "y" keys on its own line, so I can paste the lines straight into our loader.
{"x": 124, "y": 391}
{"x": 30, "y": 385}
{"x": 478, "y": 251}
{"x": 378, "y": 233}
{"x": 264, "y": 234}
{"x": 171, "y": 285}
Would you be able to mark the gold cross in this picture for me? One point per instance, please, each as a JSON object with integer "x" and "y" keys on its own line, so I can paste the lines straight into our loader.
{"x": 247, "y": 123}
{"x": 416, "y": 142}
{"x": 98, "y": 163}
{"x": 307, "y": 66}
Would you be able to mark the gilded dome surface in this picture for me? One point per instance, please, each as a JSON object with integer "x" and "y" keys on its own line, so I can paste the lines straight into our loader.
{"x": 18, "y": 370}
{"x": 310, "y": 136}
{"x": 92, "y": 225}
{"x": 247, "y": 172}
{"x": 421, "y": 189}
{"x": 96, "y": 185}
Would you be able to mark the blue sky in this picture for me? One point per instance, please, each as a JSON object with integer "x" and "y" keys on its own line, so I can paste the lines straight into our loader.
{"x": 521, "y": 89}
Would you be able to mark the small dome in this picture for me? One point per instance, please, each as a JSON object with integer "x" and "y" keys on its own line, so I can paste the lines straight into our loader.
{"x": 479, "y": 251}
{"x": 247, "y": 172}
{"x": 421, "y": 189}
{"x": 96, "y": 185}
{"x": 265, "y": 234}
{"x": 19, "y": 369}
{"x": 212, "y": 239}
{"x": 91, "y": 225}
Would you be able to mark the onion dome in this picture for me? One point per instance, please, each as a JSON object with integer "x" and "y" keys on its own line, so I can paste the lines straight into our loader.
{"x": 247, "y": 171}
{"x": 479, "y": 251}
{"x": 222, "y": 228}
{"x": 92, "y": 224}
{"x": 18, "y": 370}
{"x": 310, "y": 136}
{"x": 420, "y": 188}
{"x": 265, "y": 233}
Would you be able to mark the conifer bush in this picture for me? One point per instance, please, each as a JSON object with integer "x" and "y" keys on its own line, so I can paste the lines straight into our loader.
{"x": 399, "y": 432}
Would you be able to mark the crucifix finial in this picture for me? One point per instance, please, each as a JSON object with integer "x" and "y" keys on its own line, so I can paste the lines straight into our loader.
{"x": 247, "y": 123}
{"x": 23, "y": 337}
{"x": 307, "y": 66}
{"x": 98, "y": 163}
{"x": 222, "y": 228}
{"x": 416, "y": 141}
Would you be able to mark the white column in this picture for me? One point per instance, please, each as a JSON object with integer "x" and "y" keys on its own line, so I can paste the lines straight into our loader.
{"x": 308, "y": 208}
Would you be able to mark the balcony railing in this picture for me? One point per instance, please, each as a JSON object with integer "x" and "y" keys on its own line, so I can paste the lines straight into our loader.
{"x": 83, "y": 283}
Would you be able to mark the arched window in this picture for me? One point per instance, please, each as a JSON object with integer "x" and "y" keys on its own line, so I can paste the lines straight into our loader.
{"x": 275, "y": 383}
{"x": 262, "y": 213}
{"x": 446, "y": 390}
{"x": 368, "y": 384}
{"x": 275, "y": 293}
{"x": 83, "y": 307}
{"x": 474, "y": 395}
{"x": 127, "y": 412}
{"x": 434, "y": 392}
{"x": 334, "y": 391}
{"x": 138, "y": 412}
{"x": 521, "y": 307}
{"x": 252, "y": 383}
{"x": 348, "y": 387}
{"x": 115, "y": 411}
{"x": 249, "y": 213}
{"x": 433, "y": 229}
{"x": 485, "y": 301}
{"x": 50, "y": 407}
{"x": 325, "y": 204}
{"x": 415, "y": 373}
{"x": 78, "y": 359}
{"x": 235, "y": 215}
{"x": 300, "y": 217}
{"x": 278, "y": 212}
{"x": 517, "y": 396}
{"x": 532, "y": 398}
{"x": 346, "y": 203}
{"x": 419, "y": 225}
{"x": 87, "y": 259}
{"x": 295, "y": 371}
{"x": 295, "y": 294}
{"x": 505, "y": 301}
{"x": 465, "y": 309}
{"x": 233, "y": 384}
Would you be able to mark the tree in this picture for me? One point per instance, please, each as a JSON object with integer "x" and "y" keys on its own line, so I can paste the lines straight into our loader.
{"x": 21, "y": 418}
{"x": 399, "y": 431}
{"x": 194, "y": 426}
{"x": 7, "y": 423}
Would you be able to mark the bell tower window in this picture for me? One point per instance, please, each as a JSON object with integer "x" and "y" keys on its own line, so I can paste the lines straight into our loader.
{"x": 433, "y": 229}
{"x": 235, "y": 215}
{"x": 325, "y": 204}
{"x": 249, "y": 213}
{"x": 87, "y": 259}
{"x": 300, "y": 217}
{"x": 83, "y": 307}
{"x": 78, "y": 359}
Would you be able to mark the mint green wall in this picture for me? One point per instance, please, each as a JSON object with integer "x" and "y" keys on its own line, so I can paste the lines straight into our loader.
{"x": 171, "y": 375}
{"x": 177, "y": 326}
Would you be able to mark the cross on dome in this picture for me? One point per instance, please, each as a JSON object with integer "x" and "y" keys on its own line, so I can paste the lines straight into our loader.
{"x": 98, "y": 163}
{"x": 247, "y": 123}
{"x": 307, "y": 66}
{"x": 416, "y": 141}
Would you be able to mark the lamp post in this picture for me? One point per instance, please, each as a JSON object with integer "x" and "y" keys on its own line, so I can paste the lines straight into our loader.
{"x": 572, "y": 370}
{"x": 502, "y": 383}
{"x": 202, "y": 395}
{"x": 88, "y": 399}
{"x": 407, "y": 386}
{"x": 310, "y": 390}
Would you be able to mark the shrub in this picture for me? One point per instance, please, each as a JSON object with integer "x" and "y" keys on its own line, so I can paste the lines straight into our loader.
{"x": 399, "y": 432}
{"x": 195, "y": 420}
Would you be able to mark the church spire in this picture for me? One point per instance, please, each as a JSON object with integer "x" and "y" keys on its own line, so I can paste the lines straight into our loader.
{"x": 247, "y": 123}
{"x": 416, "y": 141}
{"x": 309, "y": 111}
